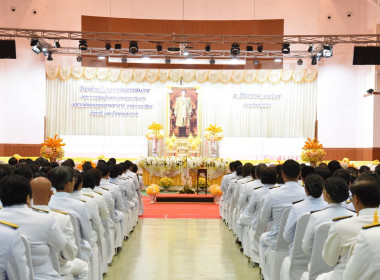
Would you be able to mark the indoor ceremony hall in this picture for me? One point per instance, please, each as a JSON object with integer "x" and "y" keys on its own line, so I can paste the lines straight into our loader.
{"x": 190, "y": 139}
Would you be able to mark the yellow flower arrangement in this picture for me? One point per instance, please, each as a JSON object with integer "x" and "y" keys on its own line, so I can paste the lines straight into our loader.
{"x": 345, "y": 163}
{"x": 80, "y": 166}
{"x": 376, "y": 162}
{"x": 202, "y": 183}
{"x": 171, "y": 142}
{"x": 166, "y": 182}
{"x": 102, "y": 157}
{"x": 313, "y": 151}
{"x": 193, "y": 143}
{"x": 154, "y": 131}
{"x": 52, "y": 148}
{"x": 17, "y": 156}
{"x": 215, "y": 190}
{"x": 153, "y": 189}
{"x": 214, "y": 133}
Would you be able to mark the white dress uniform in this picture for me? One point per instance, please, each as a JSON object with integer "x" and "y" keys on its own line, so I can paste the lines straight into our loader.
{"x": 12, "y": 253}
{"x": 43, "y": 234}
{"x": 333, "y": 210}
{"x": 308, "y": 205}
{"x": 132, "y": 198}
{"x": 342, "y": 234}
{"x": 364, "y": 263}
{"x": 235, "y": 201}
{"x": 246, "y": 191}
{"x": 141, "y": 202}
{"x": 223, "y": 187}
{"x": 227, "y": 198}
{"x": 68, "y": 263}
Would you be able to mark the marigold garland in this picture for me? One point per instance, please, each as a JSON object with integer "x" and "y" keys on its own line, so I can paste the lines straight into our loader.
{"x": 215, "y": 190}
{"x": 80, "y": 166}
{"x": 52, "y": 148}
{"x": 313, "y": 151}
{"x": 153, "y": 189}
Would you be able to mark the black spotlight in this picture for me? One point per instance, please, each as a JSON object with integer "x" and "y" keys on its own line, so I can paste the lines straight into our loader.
{"x": 311, "y": 48}
{"x": 108, "y": 46}
{"x": 299, "y": 62}
{"x": 79, "y": 58}
{"x": 208, "y": 48}
{"x": 83, "y": 45}
{"x": 314, "y": 60}
{"x": 249, "y": 49}
{"x": 37, "y": 48}
{"x": 235, "y": 49}
{"x": 327, "y": 51}
{"x": 57, "y": 45}
{"x": 212, "y": 61}
{"x": 260, "y": 47}
{"x": 370, "y": 91}
{"x": 117, "y": 46}
{"x": 133, "y": 47}
{"x": 285, "y": 48}
{"x": 167, "y": 60}
{"x": 33, "y": 42}
{"x": 159, "y": 47}
{"x": 123, "y": 59}
{"x": 50, "y": 57}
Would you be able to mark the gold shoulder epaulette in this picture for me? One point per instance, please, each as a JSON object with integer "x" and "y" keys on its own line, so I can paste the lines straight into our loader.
{"x": 105, "y": 188}
{"x": 98, "y": 192}
{"x": 348, "y": 201}
{"x": 275, "y": 187}
{"x": 58, "y": 211}
{"x": 311, "y": 212}
{"x": 298, "y": 201}
{"x": 259, "y": 187}
{"x": 249, "y": 181}
{"x": 14, "y": 226}
{"x": 40, "y": 210}
{"x": 82, "y": 200}
{"x": 89, "y": 195}
{"x": 1, "y": 207}
{"x": 370, "y": 226}
{"x": 112, "y": 183}
{"x": 341, "y": 218}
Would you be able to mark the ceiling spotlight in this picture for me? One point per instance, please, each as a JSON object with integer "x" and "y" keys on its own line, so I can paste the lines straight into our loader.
{"x": 208, "y": 48}
{"x": 285, "y": 48}
{"x": 37, "y": 48}
{"x": 249, "y": 49}
{"x": 174, "y": 49}
{"x": 212, "y": 61}
{"x": 255, "y": 62}
{"x": 123, "y": 59}
{"x": 319, "y": 55}
{"x": 45, "y": 51}
{"x": 79, "y": 58}
{"x": 57, "y": 45}
{"x": 185, "y": 52}
{"x": 259, "y": 47}
{"x": 108, "y": 46}
{"x": 49, "y": 58}
{"x": 370, "y": 91}
{"x": 167, "y": 60}
{"x": 299, "y": 62}
{"x": 83, "y": 45}
{"x": 314, "y": 60}
{"x": 159, "y": 47}
{"x": 117, "y": 46}
{"x": 101, "y": 57}
{"x": 133, "y": 47}
{"x": 327, "y": 50}
{"x": 311, "y": 48}
{"x": 277, "y": 60}
{"x": 33, "y": 42}
{"x": 235, "y": 49}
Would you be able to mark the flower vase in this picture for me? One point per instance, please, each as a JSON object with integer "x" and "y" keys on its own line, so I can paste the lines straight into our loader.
{"x": 152, "y": 198}
{"x": 216, "y": 199}
{"x": 155, "y": 147}
{"x": 214, "y": 149}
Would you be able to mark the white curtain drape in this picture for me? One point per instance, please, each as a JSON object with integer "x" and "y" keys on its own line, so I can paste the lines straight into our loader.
{"x": 293, "y": 115}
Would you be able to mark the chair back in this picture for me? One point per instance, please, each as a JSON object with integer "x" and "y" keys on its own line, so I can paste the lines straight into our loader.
{"x": 76, "y": 233}
{"x": 317, "y": 264}
{"x": 281, "y": 244}
{"x": 28, "y": 256}
{"x": 261, "y": 226}
{"x": 299, "y": 260}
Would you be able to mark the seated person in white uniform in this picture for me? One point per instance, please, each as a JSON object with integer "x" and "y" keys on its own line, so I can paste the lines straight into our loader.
{"x": 345, "y": 175}
{"x": 344, "y": 231}
{"x": 12, "y": 253}
{"x": 40, "y": 228}
{"x": 224, "y": 185}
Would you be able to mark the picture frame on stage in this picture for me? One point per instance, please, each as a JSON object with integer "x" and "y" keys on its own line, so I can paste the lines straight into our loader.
{"x": 183, "y": 113}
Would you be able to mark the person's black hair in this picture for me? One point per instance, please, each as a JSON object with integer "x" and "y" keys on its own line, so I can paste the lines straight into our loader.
{"x": 101, "y": 161}
{"x": 113, "y": 160}
{"x": 128, "y": 164}
{"x": 24, "y": 170}
{"x": 238, "y": 163}
{"x": 268, "y": 176}
{"x": 97, "y": 174}
{"x": 120, "y": 168}
{"x": 14, "y": 190}
{"x": 124, "y": 167}
{"x": 246, "y": 169}
{"x": 322, "y": 164}
{"x": 5, "y": 170}
{"x": 354, "y": 172}
{"x": 307, "y": 170}
{"x": 344, "y": 174}
{"x": 253, "y": 172}
{"x": 69, "y": 162}
{"x": 60, "y": 176}
{"x": 104, "y": 168}
{"x": 314, "y": 185}
{"x": 89, "y": 179}
{"x": 333, "y": 165}
{"x": 29, "y": 161}
{"x": 325, "y": 173}
{"x": 114, "y": 171}
{"x": 280, "y": 180}
{"x": 34, "y": 167}
{"x": 337, "y": 188}
{"x": 21, "y": 161}
{"x": 239, "y": 169}
{"x": 377, "y": 169}
{"x": 45, "y": 169}
{"x": 369, "y": 174}
{"x": 232, "y": 166}
{"x": 302, "y": 165}
{"x": 367, "y": 189}
{"x": 259, "y": 169}
{"x": 135, "y": 168}
{"x": 40, "y": 161}
{"x": 291, "y": 169}
{"x": 87, "y": 166}
{"x": 110, "y": 163}
{"x": 364, "y": 168}
{"x": 39, "y": 174}
{"x": 78, "y": 179}
{"x": 54, "y": 165}
{"x": 13, "y": 161}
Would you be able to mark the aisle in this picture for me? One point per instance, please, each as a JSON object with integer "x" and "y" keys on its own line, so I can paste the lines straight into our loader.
{"x": 176, "y": 249}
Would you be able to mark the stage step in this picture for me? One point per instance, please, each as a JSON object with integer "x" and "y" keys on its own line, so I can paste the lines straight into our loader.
{"x": 167, "y": 197}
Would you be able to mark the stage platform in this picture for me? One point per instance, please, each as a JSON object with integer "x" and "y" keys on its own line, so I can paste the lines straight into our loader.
{"x": 177, "y": 197}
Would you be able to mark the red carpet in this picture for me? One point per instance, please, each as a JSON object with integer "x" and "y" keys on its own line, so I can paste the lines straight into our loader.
{"x": 180, "y": 210}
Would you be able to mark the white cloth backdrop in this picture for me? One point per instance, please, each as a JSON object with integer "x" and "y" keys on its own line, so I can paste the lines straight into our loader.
{"x": 293, "y": 115}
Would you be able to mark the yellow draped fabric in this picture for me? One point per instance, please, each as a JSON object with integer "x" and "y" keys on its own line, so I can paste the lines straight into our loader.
{"x": 152, "y": 75}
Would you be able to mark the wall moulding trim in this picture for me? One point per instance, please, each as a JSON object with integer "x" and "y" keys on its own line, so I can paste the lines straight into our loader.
{"x": 354, "y": 154}
{"x": 27, "y": 150}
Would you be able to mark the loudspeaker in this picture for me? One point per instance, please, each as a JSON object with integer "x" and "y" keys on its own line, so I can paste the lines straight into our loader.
{"x": 366, "y": 56}
{"x": 8, "y": 49}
